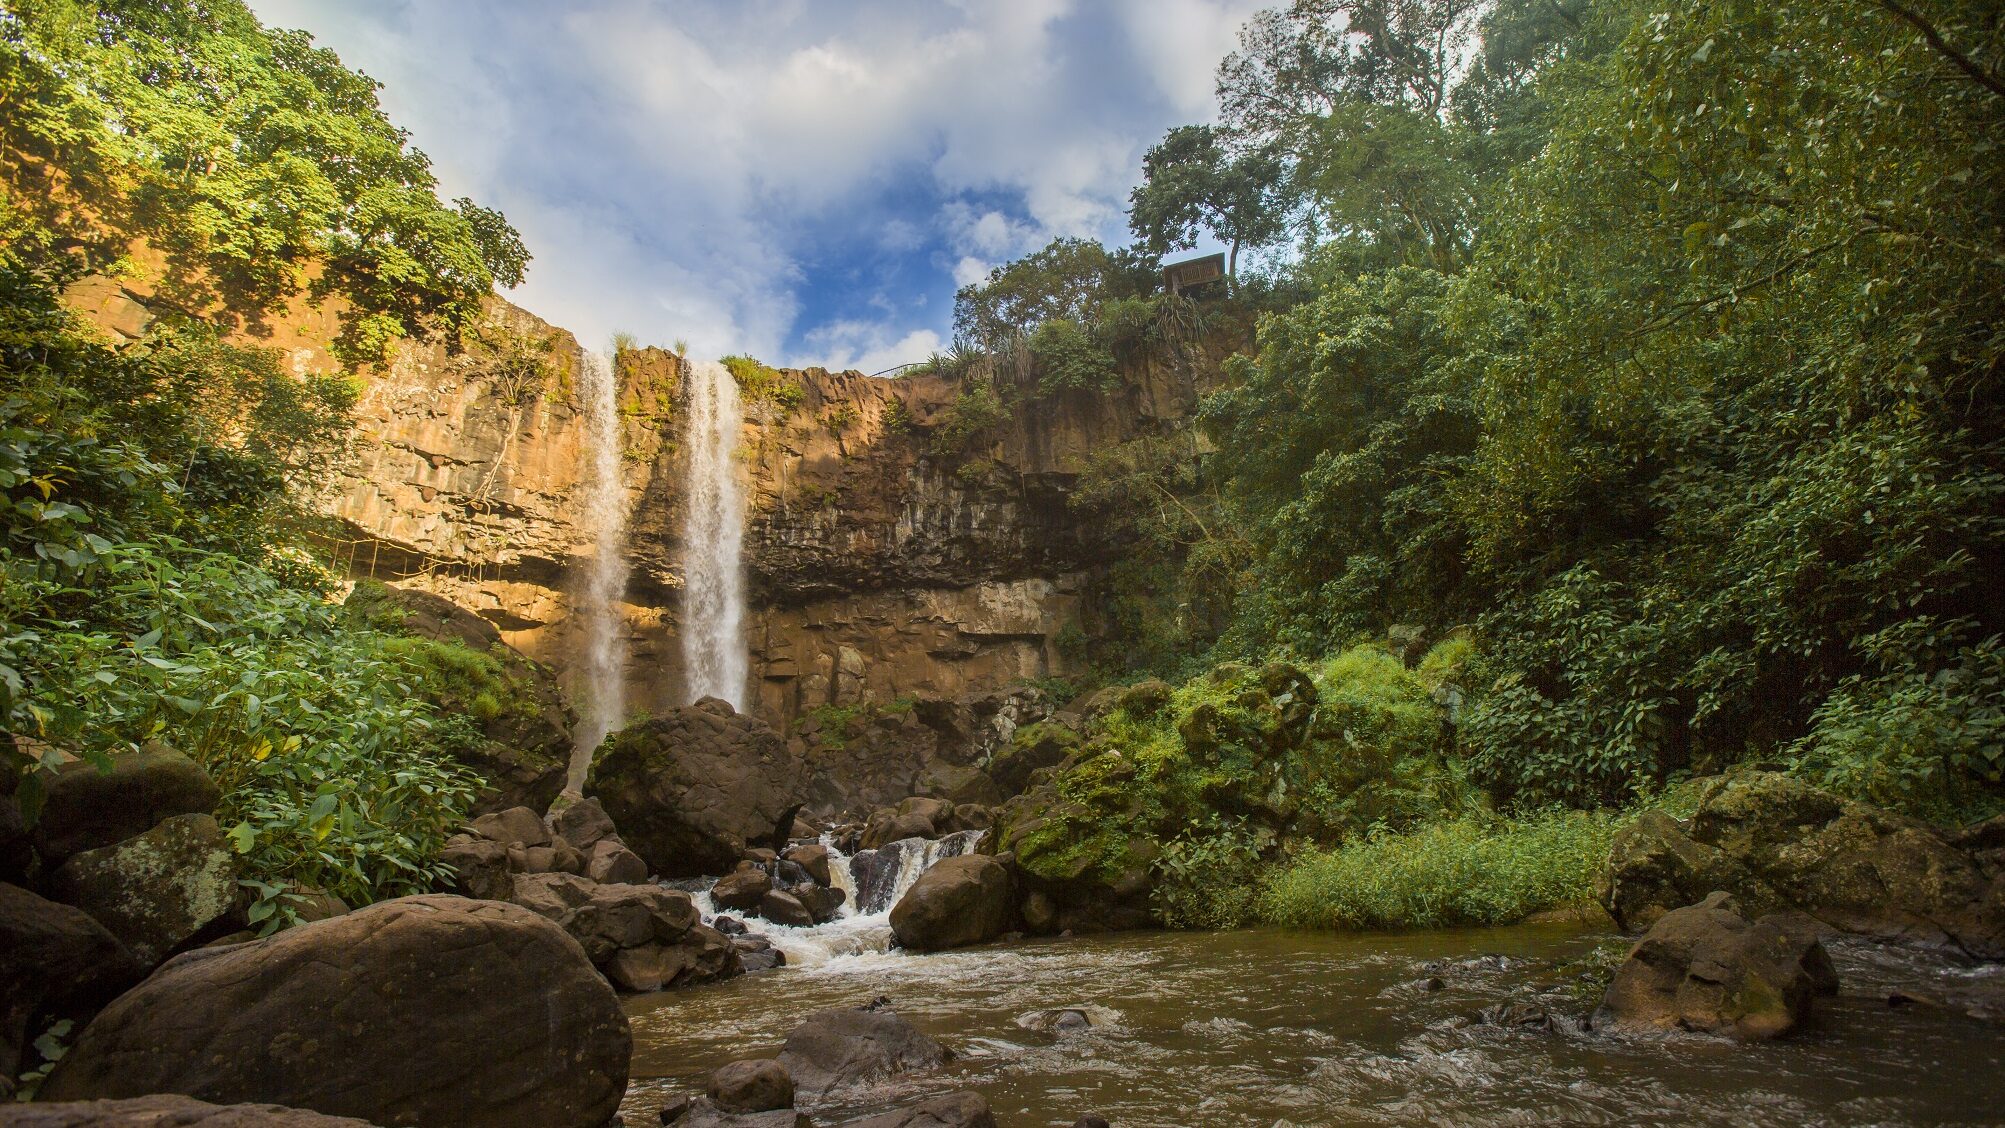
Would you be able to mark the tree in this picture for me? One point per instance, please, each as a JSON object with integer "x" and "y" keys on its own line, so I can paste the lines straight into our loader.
{"x": 1191, "y": 182}
{"x": 1070, "y": 279}
{"x": 257, "y": 164}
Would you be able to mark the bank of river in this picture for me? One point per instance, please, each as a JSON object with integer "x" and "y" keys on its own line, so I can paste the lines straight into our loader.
{"x": 1264, "y": 1028}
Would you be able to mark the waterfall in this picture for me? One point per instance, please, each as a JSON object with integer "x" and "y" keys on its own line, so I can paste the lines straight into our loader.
{"x": 605, "y": 580}
{"x": 713, "y": 537}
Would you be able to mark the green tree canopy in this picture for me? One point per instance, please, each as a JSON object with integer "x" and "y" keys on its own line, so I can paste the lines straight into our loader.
{"x": 1192, "y": 182}
{"x": 255, "y": 162}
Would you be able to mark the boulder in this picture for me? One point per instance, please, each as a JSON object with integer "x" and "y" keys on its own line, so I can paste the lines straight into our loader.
{"x": 890, "y": 825}
{"x": 557, "y": 857}
{"x": 55, "y": 961}
{"x": 1775, "y": 842}
{"x": 785, "y": 908}
{"x": 525, "y": 751}
{"x": 741, "y": 889}
{"x": 700, "y": 955}
{"x": 758, "y": 1085}
{"x": 954, "y": 1110}
{"x": 973, "y": 816}
{"x": 372, "y": 1015}
{"x": 169, "y": 1111}
{"x": 854, "y": 1046}
{"x": 693, "y": 790}
{"x": 158, "y": 891}
{"x": 516, "y": 826}
{"x": 813, "y": 860}
{"x": 644, "y": 937}
{"x": 480, "y": 867}
{"x": 609, "y": 862}
{"x": 1705, "y": 968}
{"x": 87, "y": 808}
{"x": 581, "y": 822}
{"x": 959, "y": 901}
{"x": 823, "y": 903}
{"x": 702, "y": 1112}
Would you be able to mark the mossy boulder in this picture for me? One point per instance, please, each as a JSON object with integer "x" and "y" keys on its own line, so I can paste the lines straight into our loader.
{"x": 1776, "y": 842}
{"x": 521, "y": 746}
{"x": 1708, "y": 969}
{"x": 1267, "y": 756}
{"x": 693, "y": 789}
{"x": 160, "y": 891}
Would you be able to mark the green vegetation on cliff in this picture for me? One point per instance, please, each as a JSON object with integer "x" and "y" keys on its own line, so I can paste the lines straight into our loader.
{"x": 157, "y": 583}
{"x": 1650, "y": 343}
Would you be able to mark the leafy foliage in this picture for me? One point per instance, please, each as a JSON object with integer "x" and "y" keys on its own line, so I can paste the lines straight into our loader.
{"x": 146, "y": 600}
{"x": 1471, "y": 871}
{"x": 256, "y": 163}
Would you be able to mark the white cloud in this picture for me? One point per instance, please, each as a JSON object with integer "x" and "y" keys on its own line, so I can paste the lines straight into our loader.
{"x": 971, "y": 270}
{"x": 866, "y": 346}
{"x": 673, "y": 166}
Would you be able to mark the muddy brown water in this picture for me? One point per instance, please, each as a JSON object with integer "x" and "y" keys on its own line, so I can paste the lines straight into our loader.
{"x": 1269, "y": 1029}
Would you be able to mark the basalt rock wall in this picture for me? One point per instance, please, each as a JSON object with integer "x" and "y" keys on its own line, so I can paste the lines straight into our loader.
{"x": 879, "y": 566}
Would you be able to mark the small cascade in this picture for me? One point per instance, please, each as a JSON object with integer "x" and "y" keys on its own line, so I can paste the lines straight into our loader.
{"x": 713, "y": 537}
{"x": 873, "y": 881}
{"x": 605, "y": 581}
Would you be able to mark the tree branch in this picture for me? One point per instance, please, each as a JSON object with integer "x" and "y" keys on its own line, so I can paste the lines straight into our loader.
{"x": 1934, "y": 39}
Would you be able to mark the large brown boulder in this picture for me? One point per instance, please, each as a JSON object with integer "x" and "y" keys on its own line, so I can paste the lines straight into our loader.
{"x": 855, "y": 1046}
{"x": 169, "y": 1111}
{"x": 1705, "y": 968}
{"x": 959, "y": 901}
{"x": 753, "y": 1085}
{"x": 158, "y": 891}
{"x": 1775, "y": 842}
{"x": 525, "y": 724}
{"x": 693, "y": 790}
{"x": 87, "y": 807}
{"x": 643, "y": 937}
{"x": 55, "y": 962}
{"x": 433, "y": 1011}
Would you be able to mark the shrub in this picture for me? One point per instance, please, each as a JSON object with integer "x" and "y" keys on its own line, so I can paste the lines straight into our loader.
{"x": 1469, "y": 871}
{"x": 1070, "y": 360}
{"x": 763, "y": 384}
{"x": 975, "y": 413}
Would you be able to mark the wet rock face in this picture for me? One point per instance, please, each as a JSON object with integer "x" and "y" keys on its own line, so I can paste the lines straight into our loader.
{"x": 693, "y": 790}
{"x": 1705, "y": 968}
{"x": 852, "y": 1047}
{"x": 368, "y": 1015}
{"x": 159, "y": 890}
{"x": 959, "y": 901}
{"x": 167, "y": 1111}
{"x": 1775, "y": 843}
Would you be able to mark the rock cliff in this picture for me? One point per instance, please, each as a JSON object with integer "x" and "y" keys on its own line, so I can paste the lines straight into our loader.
{"x": 879, "y": 567}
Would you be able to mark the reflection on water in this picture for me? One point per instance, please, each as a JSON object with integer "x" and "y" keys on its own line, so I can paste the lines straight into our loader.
{"x": 1263, "y": 1029}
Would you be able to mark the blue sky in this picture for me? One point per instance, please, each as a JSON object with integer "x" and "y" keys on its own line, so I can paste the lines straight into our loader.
{"x": 804, "y": 180}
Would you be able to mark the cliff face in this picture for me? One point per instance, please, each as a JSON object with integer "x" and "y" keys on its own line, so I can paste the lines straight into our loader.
{"x": 877, "y": 567}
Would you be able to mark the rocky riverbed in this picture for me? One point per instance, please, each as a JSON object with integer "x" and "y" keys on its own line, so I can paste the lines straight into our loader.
{"x": 1264, "y": 1028}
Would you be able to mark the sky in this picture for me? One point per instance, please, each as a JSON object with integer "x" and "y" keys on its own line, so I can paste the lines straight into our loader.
{"x": 805, "y": 181}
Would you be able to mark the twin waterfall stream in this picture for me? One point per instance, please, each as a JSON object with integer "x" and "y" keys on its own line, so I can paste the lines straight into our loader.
{"x": 713, "y": 593}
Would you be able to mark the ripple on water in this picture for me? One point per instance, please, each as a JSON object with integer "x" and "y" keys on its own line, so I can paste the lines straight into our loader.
{"x": 1258, "y": 1029}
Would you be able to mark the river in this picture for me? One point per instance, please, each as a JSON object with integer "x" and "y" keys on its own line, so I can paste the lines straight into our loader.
{"x": 1270, "y": 1029}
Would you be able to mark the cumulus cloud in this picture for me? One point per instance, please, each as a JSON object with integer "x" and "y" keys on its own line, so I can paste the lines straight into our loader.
{"x": 780, "y": 177}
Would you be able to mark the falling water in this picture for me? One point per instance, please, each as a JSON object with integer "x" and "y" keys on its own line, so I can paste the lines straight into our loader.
{"x": 713, "y": 536}
{"x": 606, "y": 579}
